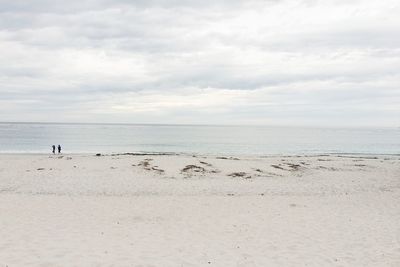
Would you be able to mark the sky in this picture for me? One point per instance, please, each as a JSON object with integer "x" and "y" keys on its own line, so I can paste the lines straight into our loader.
{"x": 274, "y": 62}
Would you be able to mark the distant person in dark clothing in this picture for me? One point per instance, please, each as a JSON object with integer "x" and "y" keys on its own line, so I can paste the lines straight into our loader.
{"x": 54, "y": 149}
{"x": 59, "y": 149}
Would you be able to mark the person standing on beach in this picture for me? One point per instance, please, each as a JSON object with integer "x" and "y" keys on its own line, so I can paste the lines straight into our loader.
{"x": 59, "y": 149}
{"x": 54, "y": 149}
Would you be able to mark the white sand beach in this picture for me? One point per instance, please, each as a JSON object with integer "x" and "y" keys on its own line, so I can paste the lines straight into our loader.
{"x": 191, "y": 210}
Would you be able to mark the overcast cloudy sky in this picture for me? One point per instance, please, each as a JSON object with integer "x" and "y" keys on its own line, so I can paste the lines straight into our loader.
{"x": 271, "y": 62}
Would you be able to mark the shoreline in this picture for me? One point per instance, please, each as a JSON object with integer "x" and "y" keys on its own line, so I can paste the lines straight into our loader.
{"x": 155, "y": 153}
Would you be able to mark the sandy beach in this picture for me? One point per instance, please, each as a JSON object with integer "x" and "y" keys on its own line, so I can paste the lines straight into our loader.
{"x": 193, "y": 210}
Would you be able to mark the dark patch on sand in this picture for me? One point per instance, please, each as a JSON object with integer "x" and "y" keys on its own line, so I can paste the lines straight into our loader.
{"x": 288, "y": 166}
{"x": 240, "y": 174}
{"x": 328, "y": 168}
{"x": 293, "y": 167}
{"x": 160, "y": 171}
{"x": 277, "y": 167}
{"x": 355, "y": 157}
{"x": 148, "y": 167}
{"x": 229, "y": 158}
{"x": 144, "y": 163}
{"x": 261, "y": 173}
{"x": 144, "y": 154}
{"x": 193, "y": 168}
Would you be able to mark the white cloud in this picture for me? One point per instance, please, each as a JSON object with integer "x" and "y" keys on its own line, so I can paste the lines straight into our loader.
{"x": 267, "y": 62}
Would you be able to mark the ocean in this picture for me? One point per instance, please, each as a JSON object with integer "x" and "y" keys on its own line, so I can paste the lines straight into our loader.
{"x": 196, "y": 139}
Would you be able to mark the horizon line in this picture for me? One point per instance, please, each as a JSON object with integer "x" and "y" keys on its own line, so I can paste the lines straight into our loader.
{"x": 199, "y": 124}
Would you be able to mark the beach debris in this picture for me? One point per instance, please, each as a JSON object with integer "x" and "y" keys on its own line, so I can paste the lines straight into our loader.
{"x": 193, "y": 168}
{"x": 145, "y": 154}
{"x": 40, "y": 169}
{"x": 157, "y": 170}
{"x": 294, "y": 167}
{"x": 327, "y": 168}
{"x": 147, "y": 166}
{"x": 231, "y": 158}
{"x": 277, "y": 167}
{"x": 144, "y": 163}
{"x": 190, "y": 170}
{"x": 324, "y": 159}
{"x": 287, "y": 166}
{"x": 356, "y": 157}
{"x": 98, "y": 154}
{"x": 240, "y": 174}
{"x": 261, "y": 173}
{"x": 213, "y": 170}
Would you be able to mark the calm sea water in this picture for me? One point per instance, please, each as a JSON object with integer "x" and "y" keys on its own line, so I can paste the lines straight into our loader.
{"x": 229, "y": 140}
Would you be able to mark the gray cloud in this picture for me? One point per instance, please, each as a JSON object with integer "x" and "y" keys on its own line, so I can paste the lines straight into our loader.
{"x": 274, "y": 62}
